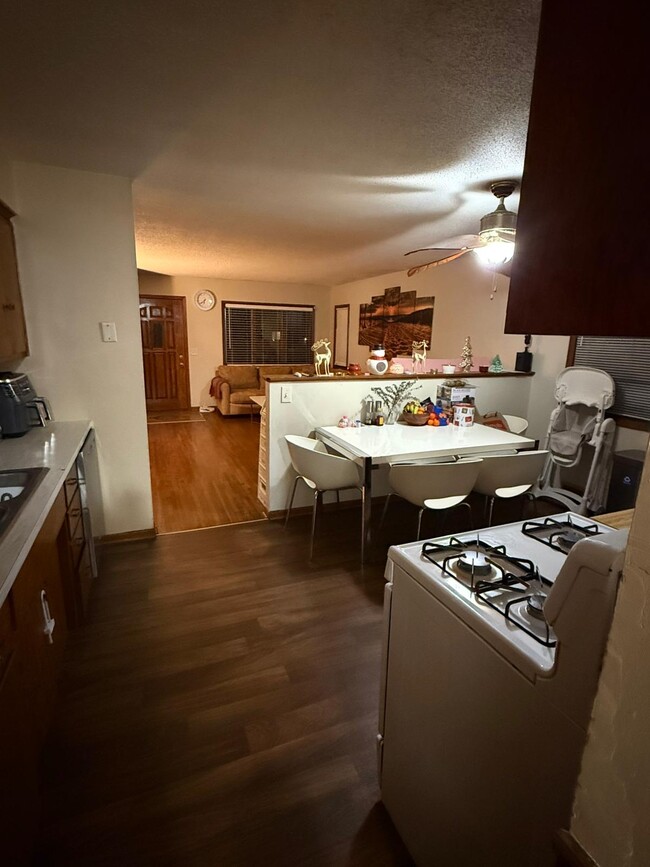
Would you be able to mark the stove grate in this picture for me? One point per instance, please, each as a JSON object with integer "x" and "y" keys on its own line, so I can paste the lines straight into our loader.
{"x": 514, "y": 575}
{"x": 548, "y": 531}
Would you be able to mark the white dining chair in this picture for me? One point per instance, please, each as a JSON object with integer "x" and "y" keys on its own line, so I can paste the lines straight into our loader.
{"x": 516, "y": 424}
{"x": 506, "y": 476}
{"x": 433, "y": 486}
{"x": 322, "y": 472}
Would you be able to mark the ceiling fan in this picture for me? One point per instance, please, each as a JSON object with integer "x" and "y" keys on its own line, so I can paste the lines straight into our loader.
{"x": 495, "y": 242}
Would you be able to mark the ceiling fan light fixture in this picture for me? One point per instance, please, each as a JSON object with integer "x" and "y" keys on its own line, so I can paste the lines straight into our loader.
{"x": 496, "y": 251}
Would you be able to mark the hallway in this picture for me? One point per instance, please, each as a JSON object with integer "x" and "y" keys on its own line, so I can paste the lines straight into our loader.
{"x": 203, "y": 469}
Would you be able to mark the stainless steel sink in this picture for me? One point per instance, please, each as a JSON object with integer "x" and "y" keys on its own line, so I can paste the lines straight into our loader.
{"x": 16, "y": 487}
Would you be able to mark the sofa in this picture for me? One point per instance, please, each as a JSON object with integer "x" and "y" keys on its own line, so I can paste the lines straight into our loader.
{"x": 234, "y": 384}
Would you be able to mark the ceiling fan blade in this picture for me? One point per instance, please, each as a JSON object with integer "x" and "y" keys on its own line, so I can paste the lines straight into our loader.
{"x": 437, "y": 262}
{"x": 458, "y": 242}
{"x": 430, "y": 249}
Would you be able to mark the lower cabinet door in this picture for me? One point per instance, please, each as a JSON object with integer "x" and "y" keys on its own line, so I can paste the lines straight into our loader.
{"x": 33, "y": 629}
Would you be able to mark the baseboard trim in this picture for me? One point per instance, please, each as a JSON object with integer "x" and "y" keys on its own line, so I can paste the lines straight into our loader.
{"x": 131, "y": 536}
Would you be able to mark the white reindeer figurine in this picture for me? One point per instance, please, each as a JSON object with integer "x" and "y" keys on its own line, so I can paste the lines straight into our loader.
{"x": 419, "y": 355}
{"x": 322, "y": 357}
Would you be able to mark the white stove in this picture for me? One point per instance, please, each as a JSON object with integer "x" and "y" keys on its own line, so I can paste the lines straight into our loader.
{"x": 528, "y": 550}
{"x": 492, "y": 651}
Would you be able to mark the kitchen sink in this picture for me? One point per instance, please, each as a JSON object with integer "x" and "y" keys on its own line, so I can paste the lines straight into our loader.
{"x": 16, "y": 487}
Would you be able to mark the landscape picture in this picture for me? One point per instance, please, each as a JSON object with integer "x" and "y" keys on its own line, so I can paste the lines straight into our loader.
{"x": 396, "y": 319}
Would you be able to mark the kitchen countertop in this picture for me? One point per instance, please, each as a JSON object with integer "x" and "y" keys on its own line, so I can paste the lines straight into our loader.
{"x": 56, "y": 447}
{"x": 617, "y": 520}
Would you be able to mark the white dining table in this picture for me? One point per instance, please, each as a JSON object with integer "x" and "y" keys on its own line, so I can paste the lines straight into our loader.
{"x": 371, "y": 446}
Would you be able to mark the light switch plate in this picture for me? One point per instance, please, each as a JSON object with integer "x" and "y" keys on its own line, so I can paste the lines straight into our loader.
{"x": 109, "y": 332}
{"x": 286, "y": 395}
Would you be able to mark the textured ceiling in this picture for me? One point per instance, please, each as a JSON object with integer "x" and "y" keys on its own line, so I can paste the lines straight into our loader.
{"x": 292, "y": 141}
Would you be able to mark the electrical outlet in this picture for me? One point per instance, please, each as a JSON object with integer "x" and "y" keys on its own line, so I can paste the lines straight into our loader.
{"x": 285, "y": 394}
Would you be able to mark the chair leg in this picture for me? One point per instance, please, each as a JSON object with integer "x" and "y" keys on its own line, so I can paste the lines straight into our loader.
{"x": 490, "y": 511}
{"x": 384, "y": 512}
{"x": 363, "y": 527}
{"x": 313, "y": 523}
{"x": 338, "y": 497}
{"x": 466, "y": 505}
{"x": 420, "y": 513}
{"x": 290, "y": 504}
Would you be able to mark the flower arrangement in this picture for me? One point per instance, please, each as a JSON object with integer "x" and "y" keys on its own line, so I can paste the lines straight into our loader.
{"x": 393, "y": 396}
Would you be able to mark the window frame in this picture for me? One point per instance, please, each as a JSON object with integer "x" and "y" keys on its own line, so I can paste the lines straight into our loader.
{"x": 621, "y": 420}
{"x": 271, "y": 304}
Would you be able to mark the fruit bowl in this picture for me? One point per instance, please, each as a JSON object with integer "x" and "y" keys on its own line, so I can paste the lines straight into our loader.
{"x": 415, "y": 418}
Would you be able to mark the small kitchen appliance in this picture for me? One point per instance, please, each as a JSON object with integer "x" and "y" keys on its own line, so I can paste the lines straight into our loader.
{"x": 493, "y": 642}
{"x": 20, "y": 406}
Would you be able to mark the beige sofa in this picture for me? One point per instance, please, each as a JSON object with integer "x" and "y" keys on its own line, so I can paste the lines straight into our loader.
{"x": 234, "y": 384}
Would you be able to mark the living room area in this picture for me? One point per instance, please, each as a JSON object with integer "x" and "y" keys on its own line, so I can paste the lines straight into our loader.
{"x": 205, "y": 384}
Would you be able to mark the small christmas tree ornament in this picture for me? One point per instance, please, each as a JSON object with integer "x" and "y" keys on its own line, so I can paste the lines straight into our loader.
{"x": 496, "y": 365}
{"x": 466, "y": 357}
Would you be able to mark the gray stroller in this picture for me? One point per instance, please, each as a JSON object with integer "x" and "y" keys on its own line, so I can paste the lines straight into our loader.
{"x": 583, "y": 395}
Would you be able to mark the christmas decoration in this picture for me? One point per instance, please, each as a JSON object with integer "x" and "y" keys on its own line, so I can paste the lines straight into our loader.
{"x": 496, "y": 365}
{"x": 467, "y": 359}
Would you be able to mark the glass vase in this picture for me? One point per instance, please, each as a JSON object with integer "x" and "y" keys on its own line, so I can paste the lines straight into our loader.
{"x": 393, "y": 415}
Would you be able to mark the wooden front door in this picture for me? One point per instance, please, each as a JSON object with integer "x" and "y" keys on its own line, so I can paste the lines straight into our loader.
{"x": 163, "y": 325}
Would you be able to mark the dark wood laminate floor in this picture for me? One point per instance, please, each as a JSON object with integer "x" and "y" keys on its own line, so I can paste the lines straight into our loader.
{"x": 203, "y": 473}
{"x": 220, "y": 706}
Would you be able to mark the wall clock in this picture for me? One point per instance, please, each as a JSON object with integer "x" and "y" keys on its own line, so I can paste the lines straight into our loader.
{"x": 204, "y": 299}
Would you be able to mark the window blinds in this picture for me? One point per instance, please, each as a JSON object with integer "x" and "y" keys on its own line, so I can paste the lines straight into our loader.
{"x": 627, "y": 360}
{"x": 267, "y": 334}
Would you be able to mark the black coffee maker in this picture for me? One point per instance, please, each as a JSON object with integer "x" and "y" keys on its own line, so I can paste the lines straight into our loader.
{"x": 20, "y": 406}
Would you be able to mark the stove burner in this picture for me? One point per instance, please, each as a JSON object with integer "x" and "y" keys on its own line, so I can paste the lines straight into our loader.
{"x": 567, "y": 538}
{"x": 474, "y": 562}
{"x": 496, "y": 579}
{"x": 559, "y": 535}
{"x": 535, "y": 605}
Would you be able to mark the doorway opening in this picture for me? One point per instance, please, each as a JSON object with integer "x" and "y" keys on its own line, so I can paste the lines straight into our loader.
{"x": 203, "y": 466}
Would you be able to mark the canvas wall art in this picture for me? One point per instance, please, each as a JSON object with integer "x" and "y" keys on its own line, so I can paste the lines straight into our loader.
{"x": 396, "y": 319}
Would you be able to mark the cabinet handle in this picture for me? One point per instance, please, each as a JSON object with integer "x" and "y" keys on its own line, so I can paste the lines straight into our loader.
{"x": 48, "y": 620}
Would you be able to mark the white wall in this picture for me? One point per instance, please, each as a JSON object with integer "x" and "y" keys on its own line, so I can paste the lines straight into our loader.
{"x": 74, "y": 233}
{"x": 462, "y": 307}
{"x": 204, "y": 330}
{"x": 612, "y": 801}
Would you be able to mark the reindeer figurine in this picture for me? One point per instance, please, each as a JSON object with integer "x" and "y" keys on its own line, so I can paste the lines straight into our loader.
{"x": 322, "y": 357}
{"x": 419, "y": 355}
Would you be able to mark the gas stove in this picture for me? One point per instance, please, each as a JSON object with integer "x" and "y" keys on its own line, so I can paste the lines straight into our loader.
{"x": 499, "y": 578}
{"x": 493, "y": 641}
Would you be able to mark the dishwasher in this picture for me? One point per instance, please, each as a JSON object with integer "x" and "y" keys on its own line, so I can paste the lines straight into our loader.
{"x": 91, "y": 495}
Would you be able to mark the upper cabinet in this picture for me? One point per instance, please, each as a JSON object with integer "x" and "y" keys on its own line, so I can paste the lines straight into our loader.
{"x": 582, "y": 260}
{"x": 13, "y": 334}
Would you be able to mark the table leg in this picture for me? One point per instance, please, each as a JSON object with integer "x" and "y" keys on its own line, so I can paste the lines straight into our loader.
{"x": 367, "y": 482}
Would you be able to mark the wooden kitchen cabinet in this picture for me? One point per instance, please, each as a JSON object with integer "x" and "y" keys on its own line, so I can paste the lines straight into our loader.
{"x": 582, "y": 255}
{"x": 13, "y": 333}
{"x": 29, "y": 667}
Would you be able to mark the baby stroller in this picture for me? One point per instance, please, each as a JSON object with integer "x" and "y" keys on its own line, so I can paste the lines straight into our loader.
{"x": 583, "y": 395}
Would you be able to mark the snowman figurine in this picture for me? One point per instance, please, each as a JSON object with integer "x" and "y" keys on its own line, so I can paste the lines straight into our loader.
{"x": 377, "y": 363}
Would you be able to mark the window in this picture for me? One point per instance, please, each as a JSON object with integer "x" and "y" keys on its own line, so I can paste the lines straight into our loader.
{"x": 267, "y": 333}
{"x": 627, "y": 360}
